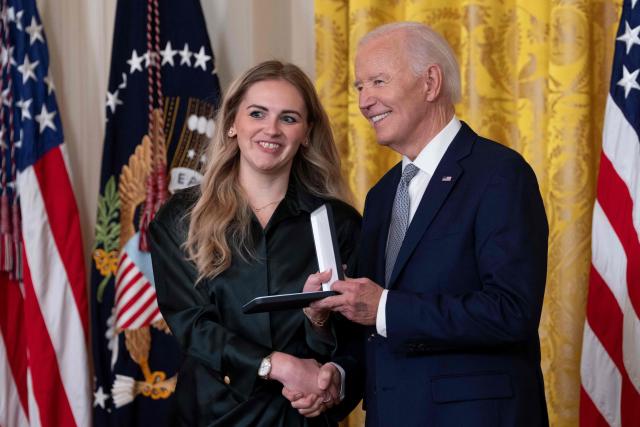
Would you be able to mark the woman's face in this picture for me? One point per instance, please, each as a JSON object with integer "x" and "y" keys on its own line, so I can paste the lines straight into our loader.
{"x": 271, "y": 123}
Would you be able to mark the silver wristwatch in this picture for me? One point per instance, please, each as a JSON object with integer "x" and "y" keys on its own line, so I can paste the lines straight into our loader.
{"x": 265, "y": 368}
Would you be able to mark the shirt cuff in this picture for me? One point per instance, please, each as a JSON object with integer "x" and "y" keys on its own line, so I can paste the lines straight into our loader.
{"x": 381, "y": 316}
{"x": 342, "y": 380}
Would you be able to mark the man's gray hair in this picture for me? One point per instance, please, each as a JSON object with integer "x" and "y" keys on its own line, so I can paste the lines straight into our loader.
{"x": 424, "y": 47}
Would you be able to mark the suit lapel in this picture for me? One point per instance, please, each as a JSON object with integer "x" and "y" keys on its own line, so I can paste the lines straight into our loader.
{"x": 440, "y": 186}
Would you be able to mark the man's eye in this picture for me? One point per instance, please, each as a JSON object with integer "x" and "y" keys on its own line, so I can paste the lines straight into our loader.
{"x": 378, "y": 82}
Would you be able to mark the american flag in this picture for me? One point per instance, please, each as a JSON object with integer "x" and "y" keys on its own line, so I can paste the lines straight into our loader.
{"x": 610, "y": 367}
{"x": 44, "y": 378}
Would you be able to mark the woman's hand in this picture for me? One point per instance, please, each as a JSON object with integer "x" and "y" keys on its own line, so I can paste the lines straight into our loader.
{"x": 296, "y": 374}
{"x": 314, "y": 284}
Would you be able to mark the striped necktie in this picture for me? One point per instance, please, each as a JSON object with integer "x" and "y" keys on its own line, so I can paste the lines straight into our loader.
{"x": 399, "y": 220}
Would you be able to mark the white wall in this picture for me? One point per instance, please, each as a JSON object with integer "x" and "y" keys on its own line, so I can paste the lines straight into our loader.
{"x": 245, "y": 32}
{"x": 79, "y": 33}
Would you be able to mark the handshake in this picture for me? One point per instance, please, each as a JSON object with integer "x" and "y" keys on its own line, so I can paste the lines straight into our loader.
{"x": 312, "y": 388}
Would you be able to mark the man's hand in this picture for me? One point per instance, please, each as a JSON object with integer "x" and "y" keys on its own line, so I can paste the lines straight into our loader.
{"x": 358, "y": 300}
{"x": 312, "y": 405}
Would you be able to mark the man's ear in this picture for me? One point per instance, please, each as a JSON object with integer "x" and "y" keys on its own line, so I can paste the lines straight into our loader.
{"x": 433, "y": 81}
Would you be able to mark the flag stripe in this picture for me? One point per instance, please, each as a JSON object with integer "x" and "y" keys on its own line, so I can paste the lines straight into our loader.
{"x": 120, "y": 279}
{"x": 130, "y": 287}
{"x": 601, "y": 306}
{"x": 601, "y": 379}
{"x": 12, "y": 325}
{"x": 629, "y": 403}
{"x": 144, "y": 306}
{"x": 12, "y": 409}
{"x": 589, "y": 414}
{"x": 607, "y": 324}
{"x": 617, "y": 205}
{"x": 48, "y": 387}
{"x": 55, "y": 298}
{"x": 608, "y": 255}
{"x": 621, "y": 146}
{"x": 615, "y": 196}
{"x": 130, "y": 304}
{"x": 34, "y": 410}
{"x": 153, "y": 317}
{"x": 129, "y": 311}
{"x": 64, "y": 221}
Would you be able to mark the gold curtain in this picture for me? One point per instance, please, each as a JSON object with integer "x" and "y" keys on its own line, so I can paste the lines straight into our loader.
{"x": 535, "y": 76}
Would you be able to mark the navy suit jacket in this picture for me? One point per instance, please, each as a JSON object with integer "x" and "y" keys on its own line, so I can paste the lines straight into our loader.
{"x": 465, "y": 295}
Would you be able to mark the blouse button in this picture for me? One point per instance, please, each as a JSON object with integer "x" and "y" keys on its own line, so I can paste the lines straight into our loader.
{"x": 227, "y": 380}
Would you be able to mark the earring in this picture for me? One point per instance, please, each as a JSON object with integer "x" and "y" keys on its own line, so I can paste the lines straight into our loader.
{"x": 305, "y": 142}
{"x": 231, "y": 133}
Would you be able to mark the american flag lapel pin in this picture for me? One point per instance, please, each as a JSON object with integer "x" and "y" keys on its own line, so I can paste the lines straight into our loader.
{"x": 446, "y": 178}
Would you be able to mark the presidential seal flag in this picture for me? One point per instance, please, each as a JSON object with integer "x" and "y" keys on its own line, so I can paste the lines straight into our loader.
{"x": 162, "y": 95}
{"x": 44, "y": 378}
{"x": 610, "y": 366}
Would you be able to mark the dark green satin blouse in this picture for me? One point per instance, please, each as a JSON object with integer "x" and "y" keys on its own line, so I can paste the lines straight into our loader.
{"x": 222, "y": 347}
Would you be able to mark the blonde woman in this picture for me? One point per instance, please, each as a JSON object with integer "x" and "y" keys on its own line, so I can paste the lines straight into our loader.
{"x": 245, "y": 232}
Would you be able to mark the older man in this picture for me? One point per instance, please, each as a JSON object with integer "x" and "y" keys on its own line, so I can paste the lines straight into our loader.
{"x": 453, "y": 254}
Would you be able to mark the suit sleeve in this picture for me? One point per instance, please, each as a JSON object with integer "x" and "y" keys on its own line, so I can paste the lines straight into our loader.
{"x": 510, "y": 235}
{"x": 194, "y": 318}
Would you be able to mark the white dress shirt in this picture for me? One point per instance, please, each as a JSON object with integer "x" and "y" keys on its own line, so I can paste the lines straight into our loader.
{"x": 426, "y": 161}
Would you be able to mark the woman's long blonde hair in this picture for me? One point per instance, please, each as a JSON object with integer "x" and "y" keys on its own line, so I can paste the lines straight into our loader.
{"x": 221, "y": 218}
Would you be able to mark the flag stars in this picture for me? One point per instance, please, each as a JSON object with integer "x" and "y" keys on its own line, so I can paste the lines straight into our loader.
{"x": 630, "y": 36}
{"x": 99, "y": 398}
{"x": 6, "y": 55}
{"x": 5, "y": 97}
{"x": 24, "y": 105}
{"x": 45, "y": 119}
{"x": 35, "y": 31}
{"x": 629, "y": 80}
{"x": 12, "y": 60}
{"x": 49, "y": 82}
{"x": 123, "y": 84}
{"x": 201, "y": 59}
{"x": 135, "y": 63}
{"x": 18, "y": 19}
{"x": 113, "y": 101}
{"x": 167, "y": 54}
{"x": 18, "y": 143}
{"x": 185, "y": 55}
{"x": 27, "y": 69}
{"x": 191, "y": 154}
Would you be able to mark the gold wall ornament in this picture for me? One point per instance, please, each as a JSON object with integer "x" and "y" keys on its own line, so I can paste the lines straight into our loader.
{"x": 535, "y": 77}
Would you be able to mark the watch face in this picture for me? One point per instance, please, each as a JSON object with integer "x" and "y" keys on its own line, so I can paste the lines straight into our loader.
{"x": 265, "y": 368}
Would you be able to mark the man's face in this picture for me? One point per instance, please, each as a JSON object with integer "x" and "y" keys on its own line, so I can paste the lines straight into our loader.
{"x": 391, "y": 96}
